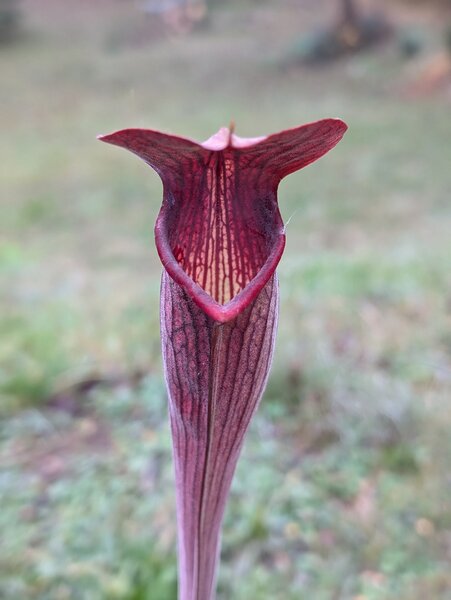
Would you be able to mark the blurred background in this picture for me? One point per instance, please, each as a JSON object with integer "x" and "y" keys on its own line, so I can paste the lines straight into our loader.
{"x": 343, "y": 491}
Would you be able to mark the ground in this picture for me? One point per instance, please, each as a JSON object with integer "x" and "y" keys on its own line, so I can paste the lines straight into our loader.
{"x": 343, "y": 488}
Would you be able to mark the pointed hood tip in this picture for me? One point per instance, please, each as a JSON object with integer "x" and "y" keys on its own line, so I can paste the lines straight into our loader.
{"x": 105, "y": 137}
{"x": 115, "y": 136}
{"x": 342, "y": 124}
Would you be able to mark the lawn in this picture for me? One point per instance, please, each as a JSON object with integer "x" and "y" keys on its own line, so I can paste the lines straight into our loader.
{"x": 343, "y": 491}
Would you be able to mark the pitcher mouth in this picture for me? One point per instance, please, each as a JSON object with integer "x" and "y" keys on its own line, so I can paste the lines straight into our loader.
{"x": 217, "y": 311}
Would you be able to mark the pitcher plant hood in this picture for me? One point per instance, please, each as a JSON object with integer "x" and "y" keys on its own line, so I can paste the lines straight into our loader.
{"x": 219, "y": 233}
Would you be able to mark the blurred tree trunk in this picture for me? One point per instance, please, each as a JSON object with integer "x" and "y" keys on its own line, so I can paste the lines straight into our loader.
{"x": 349, "y": 13}
{"x": 9, "y": 20}
{"x": 353, "y": 29}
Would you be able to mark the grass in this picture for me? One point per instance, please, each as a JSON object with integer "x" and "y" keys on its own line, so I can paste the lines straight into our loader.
{"x": 343, "y": 489}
